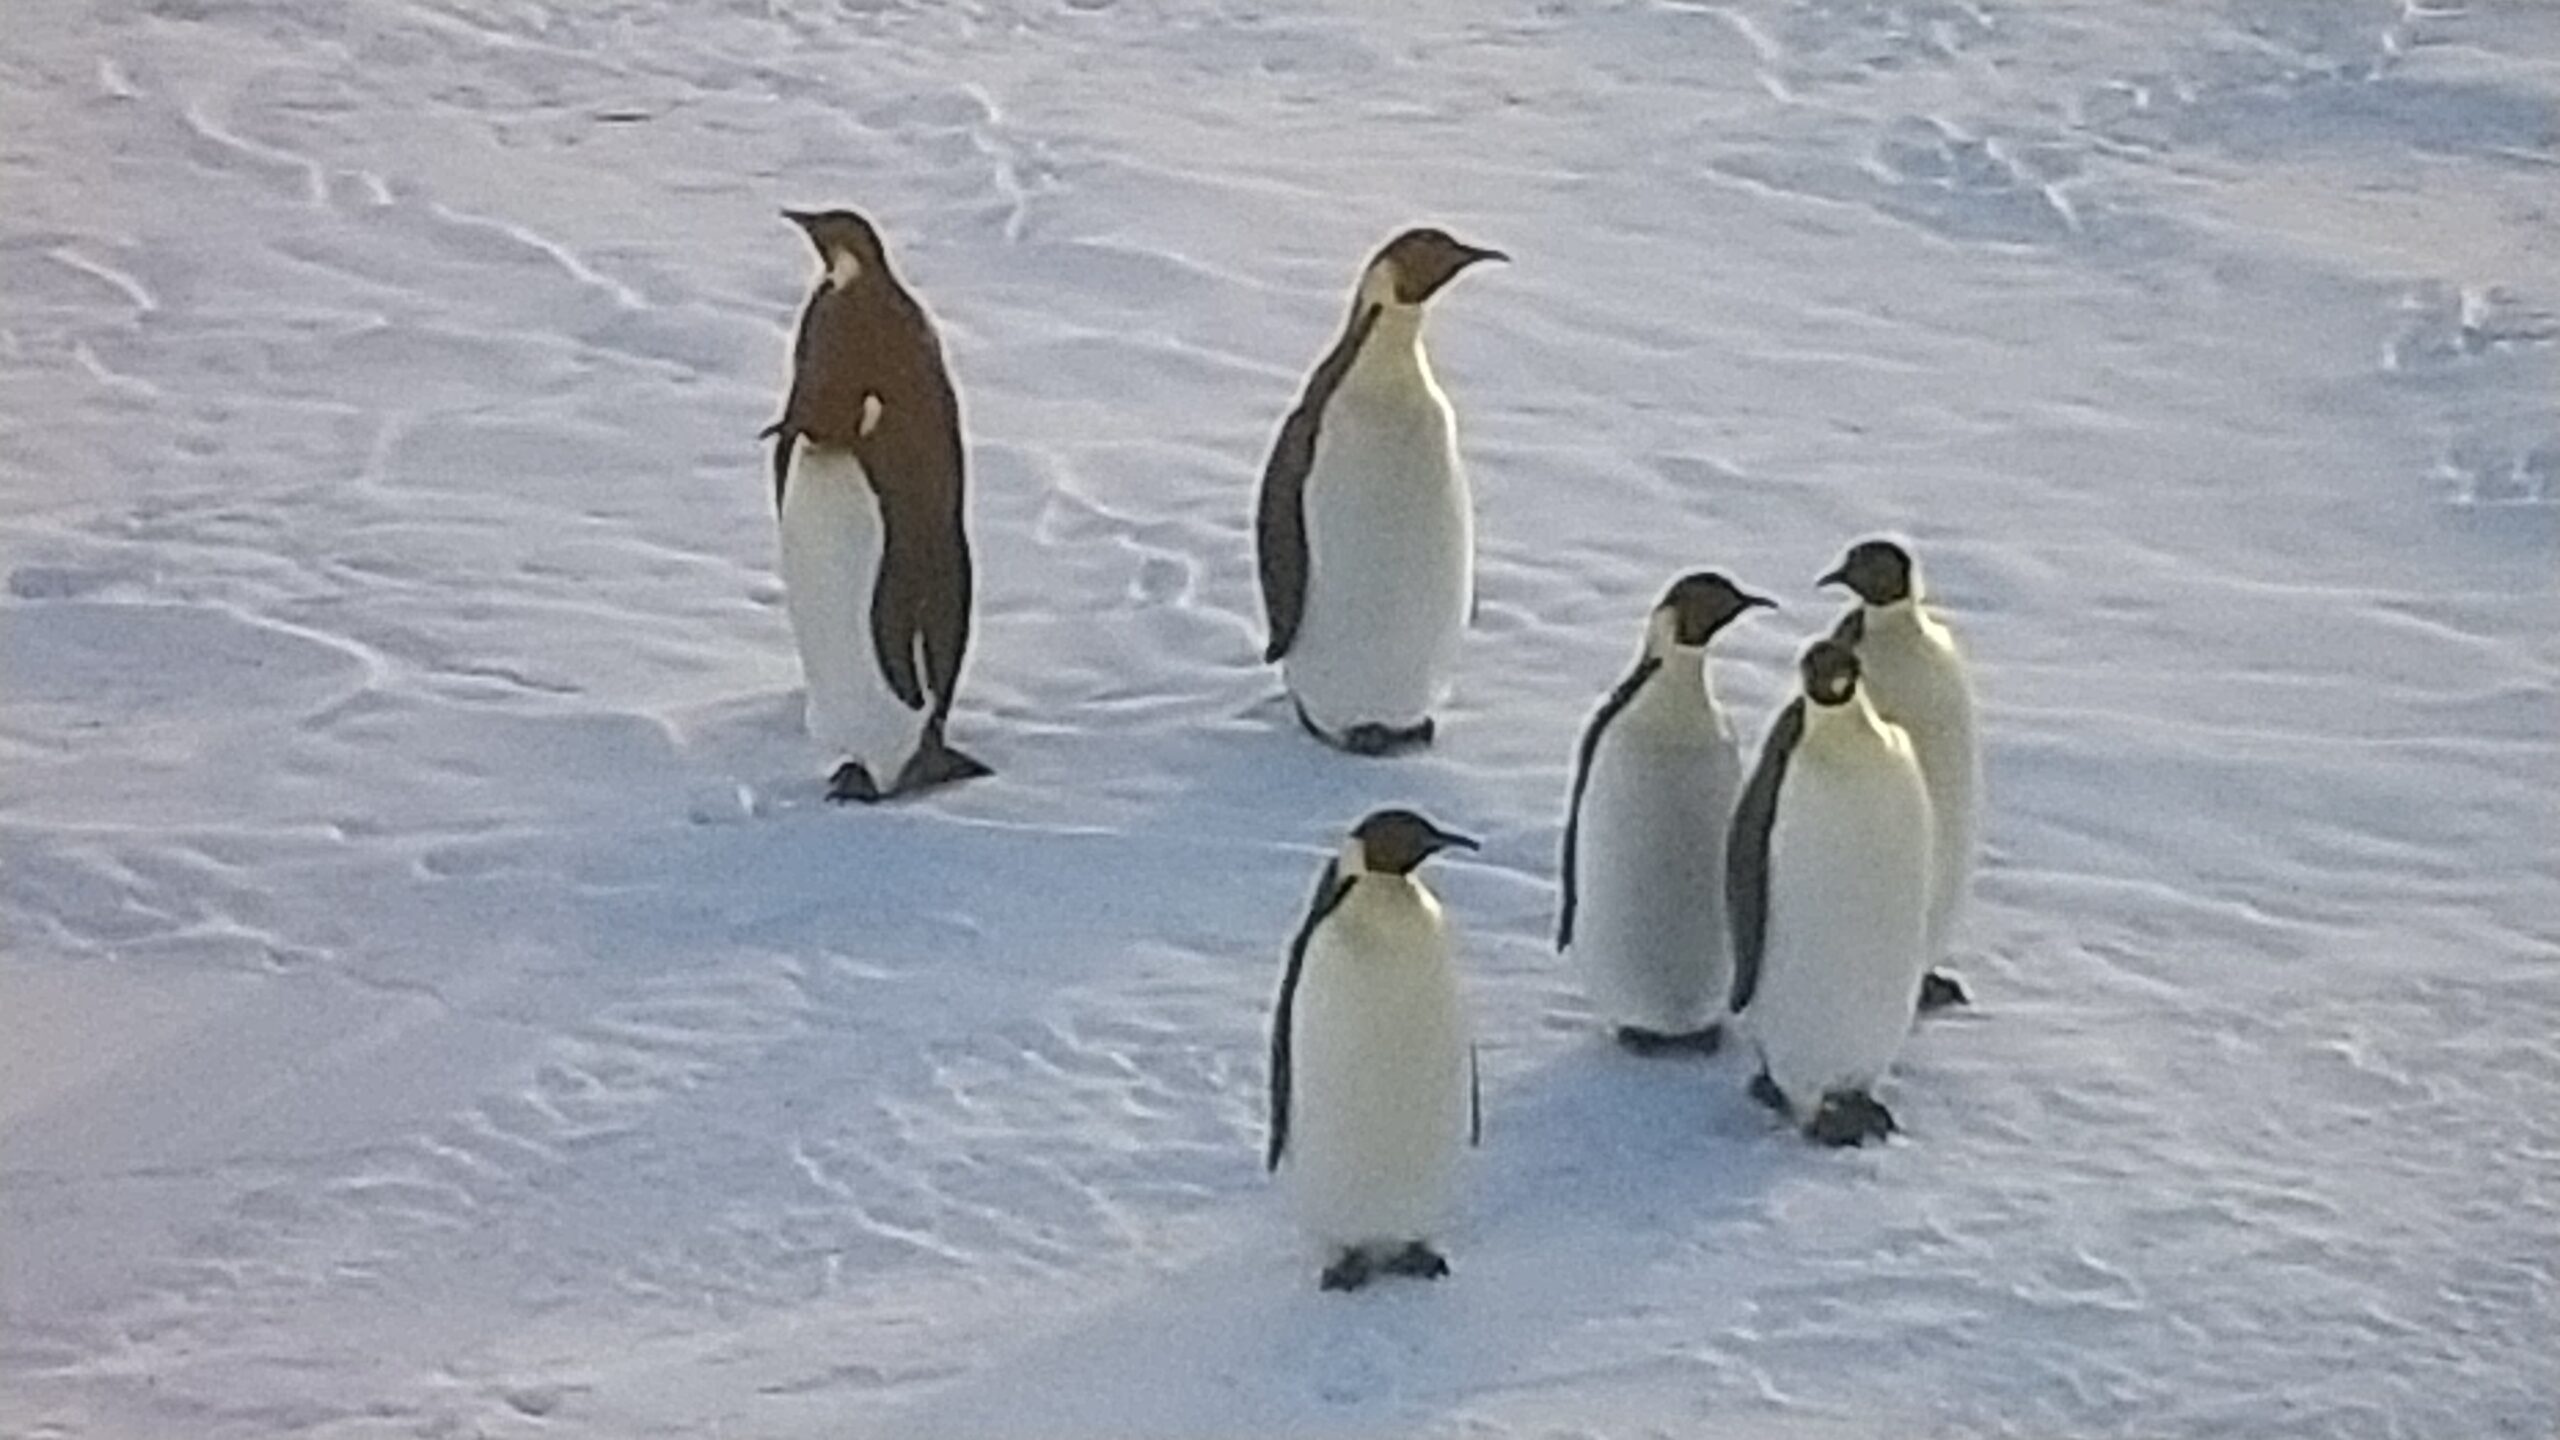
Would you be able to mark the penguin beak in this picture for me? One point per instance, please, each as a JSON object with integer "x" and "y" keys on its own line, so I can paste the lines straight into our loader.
{"x": 801, "y": 218}
{"x": 1754, "y": 602}
{"x": 1450, "y": 840}
{"x": 1478, "y": 254}
{"x": 1836, "y": 577}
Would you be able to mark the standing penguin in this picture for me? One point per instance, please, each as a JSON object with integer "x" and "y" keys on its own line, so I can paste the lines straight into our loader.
{"x": 1373, "y": 1080}
{"x": 1366, "y": 530}
{"x": 1827, "y": 886}
{"x": 1643, "y": 872}
{"x": 1916, "y": 678}
{"x": 869, "y": 482}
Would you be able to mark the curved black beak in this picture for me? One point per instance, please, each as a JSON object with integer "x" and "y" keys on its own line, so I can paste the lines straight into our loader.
{"x": 1754, "y": 602}
{"x": 1477, "y": 254}
{"x": 1451, "y": 840}
{"x": 1839, "y": 576}
{"x": 800, "y": 218}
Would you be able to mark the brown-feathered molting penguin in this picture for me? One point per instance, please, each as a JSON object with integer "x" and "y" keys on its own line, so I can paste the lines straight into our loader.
{"x": 870, "y": 485}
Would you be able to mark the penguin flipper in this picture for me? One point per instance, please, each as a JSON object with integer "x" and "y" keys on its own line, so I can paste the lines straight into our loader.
{"x": 1331, "y": 887}
{"x": 893, "y": 624}
{"x": 1618, "y": 700}
{"x": 1280, "y": 527}
{"x": 945, "y": 597}
{"x": 785, "y": 441}
{"x": 1475, "y": 1098}
{"x": 1746, "y": 875}
{"x": 1280, "y": 517}
{"x": 1852, "y": 628}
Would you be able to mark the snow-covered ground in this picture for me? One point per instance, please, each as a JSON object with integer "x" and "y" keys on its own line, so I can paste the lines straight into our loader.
{"x": 436, "y": 1003}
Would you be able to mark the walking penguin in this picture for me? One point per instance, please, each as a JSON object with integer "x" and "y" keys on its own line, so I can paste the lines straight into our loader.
{"x": 1827, "y": 886}
{"x": 1373, "y": 1077}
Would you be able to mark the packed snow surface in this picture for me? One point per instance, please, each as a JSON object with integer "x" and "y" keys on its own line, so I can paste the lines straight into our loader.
{"x": 436, "y": 1001}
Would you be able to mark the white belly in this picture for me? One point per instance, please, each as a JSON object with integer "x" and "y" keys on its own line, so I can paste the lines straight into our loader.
{"x": 1849, "y": 880}
{"x": 1649, "y": 925}
{"x": 1924, "y": 690}
{"x": 1390, "y": 564}
{"x": 1379, "y": 1075}
{"x": 831, "y": 541}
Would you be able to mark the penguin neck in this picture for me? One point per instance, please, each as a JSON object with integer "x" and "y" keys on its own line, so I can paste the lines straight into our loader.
{"x": 1681, "y": 676}
{"x": 1833, "y": 729}
{"x": 1391, "y": 358}
{"x": 1902, "y": 614}
{"x": 1906, "y": 621}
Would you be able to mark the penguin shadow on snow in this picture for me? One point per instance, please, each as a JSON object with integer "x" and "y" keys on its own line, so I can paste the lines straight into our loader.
{"x": 1597, "y": 1169}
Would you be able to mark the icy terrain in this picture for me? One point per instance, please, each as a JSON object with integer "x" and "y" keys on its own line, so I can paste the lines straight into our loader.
{"x": 435, "y": 1002}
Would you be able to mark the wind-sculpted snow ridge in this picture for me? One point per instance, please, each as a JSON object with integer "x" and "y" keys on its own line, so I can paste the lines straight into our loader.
{"x": 437, "y": 1001}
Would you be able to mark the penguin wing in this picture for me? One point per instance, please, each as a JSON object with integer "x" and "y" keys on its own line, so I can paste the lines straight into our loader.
{"x": 1330, "y": 891}
{"x": 1475, "y": 1098}
{"x": 1280, "y": 518}
{"x": 906, "y": 433}
{"x": 896, "y": 603}
{"x": 1746, "y": 854}
{"x": 1618, "y": 700}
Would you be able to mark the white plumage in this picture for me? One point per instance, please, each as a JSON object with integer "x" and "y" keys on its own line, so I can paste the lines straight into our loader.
{"x": 1380, "y": 1073}
{"x": 1915, "y": 674}
{"x": 1848, "y": 895}
{"x": 1649, "y": 924}
{"x": 1390, "y": 541}
{"x": 831, "y": 543}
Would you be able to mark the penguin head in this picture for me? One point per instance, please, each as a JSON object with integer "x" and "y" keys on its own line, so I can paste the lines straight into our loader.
{"x": 1697, "y": 606}
{"x": 1830, "y": 673}
{"x": 847, "y": 245}
{"x": 1392, "y": 842}
{"x": 1878, "y": 570}
{"x": 1413, "y": 266}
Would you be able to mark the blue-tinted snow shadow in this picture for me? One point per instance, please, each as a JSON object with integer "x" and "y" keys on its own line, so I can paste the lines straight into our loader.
{"x": 1598, "y": 1170}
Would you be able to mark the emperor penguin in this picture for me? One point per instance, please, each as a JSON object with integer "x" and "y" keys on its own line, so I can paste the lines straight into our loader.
{"x": 1654, "y": 784}
{"x": 869, "y": 483}
{"x": 1916, "y": 678}
{"x": 1365, "y": 529}
{"x": 1827, "y": 888}
{"x": 1373, "y": 1076}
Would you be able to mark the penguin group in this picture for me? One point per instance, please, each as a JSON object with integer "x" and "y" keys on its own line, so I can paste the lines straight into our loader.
{"x": 1803, "y": 908}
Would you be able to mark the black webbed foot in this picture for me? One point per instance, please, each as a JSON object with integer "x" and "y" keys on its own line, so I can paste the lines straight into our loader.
{"x": 1850, "y": 1117}
{"x": 1636, "y": 1040}
{"x": 936, "y": 764}
{"x": 1349, "y": 1272}
{"x": 853, "y": 784}
{"x": 1375, "y": 740}
{"x": 1766, "y": 1091}
{"x": 1941, "y": 989}
{"x": 1419, "y": 1261}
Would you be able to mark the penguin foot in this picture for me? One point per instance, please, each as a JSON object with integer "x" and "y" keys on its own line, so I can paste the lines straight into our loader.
{"x": 1347, "y": 1273}
{"x": 1766, "y": 1091}
{"x": 852, "y": 783}
{"x": 1636, "y": 1040}
{"x": 1417, "y": 1260}
{"x": 1940, "y": 989}
{"x": 1371, "y": 739}
{"x": 1375, "y": 740}
{"x": 1850, "y": 1117}
{"x": 935, "y": 764}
